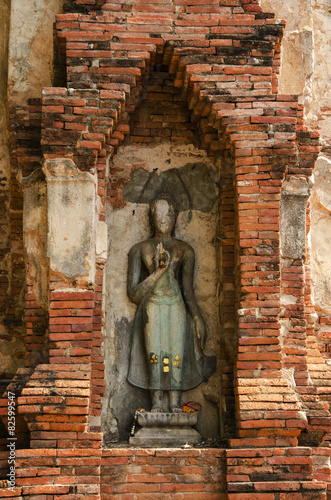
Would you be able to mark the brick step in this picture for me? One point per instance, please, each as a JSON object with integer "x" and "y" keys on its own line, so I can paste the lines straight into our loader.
{"x": 14, "y": 494}
{"x": 318, "y": 407}
{"x": 321, "y": 378}
{"x": 324, "y": 390}
{"x": 322, "y": 413}
{"x": 286, "y": 490}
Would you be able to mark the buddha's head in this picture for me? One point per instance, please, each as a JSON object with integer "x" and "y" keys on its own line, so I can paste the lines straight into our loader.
{"x": 163, "y": 214}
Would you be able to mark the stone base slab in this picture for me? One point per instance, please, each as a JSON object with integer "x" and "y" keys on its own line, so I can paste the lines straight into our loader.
{"x": 166, "y": 429}
{"x": 166, "y": 436}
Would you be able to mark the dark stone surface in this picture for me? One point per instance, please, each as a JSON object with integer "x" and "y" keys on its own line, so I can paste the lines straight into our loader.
{"x": 192, "y": 186}
{"x": 125, "y": 398}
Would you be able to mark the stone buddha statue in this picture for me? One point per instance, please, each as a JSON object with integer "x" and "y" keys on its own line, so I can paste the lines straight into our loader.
{"x": 169, "y": 333}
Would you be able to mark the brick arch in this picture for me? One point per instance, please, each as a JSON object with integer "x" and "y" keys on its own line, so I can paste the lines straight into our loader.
{"x": 104, "y": 51}
{"x": 88, "y": 120}
{"x": 243, "y": 120}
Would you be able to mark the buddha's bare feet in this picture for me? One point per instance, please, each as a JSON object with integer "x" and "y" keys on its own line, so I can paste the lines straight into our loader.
{"x": 157, "y": 402}
{"x": 175, "y": 409}
{"x": 174, "y": 401}
{"x": 157, "y": 409}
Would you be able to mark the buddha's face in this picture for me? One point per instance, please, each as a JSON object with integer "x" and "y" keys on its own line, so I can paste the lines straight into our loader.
{"x": 163, "y": 217}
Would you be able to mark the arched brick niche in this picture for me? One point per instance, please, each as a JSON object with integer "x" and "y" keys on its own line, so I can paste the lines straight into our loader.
{"x": 162, "y": 150}
{"x": 224, "y": 61}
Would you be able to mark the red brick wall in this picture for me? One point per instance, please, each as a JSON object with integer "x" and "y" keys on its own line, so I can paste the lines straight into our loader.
{"x": 24, "y": 315}
{"x": 223, "y": 58}
{"x": 163, "y": 473}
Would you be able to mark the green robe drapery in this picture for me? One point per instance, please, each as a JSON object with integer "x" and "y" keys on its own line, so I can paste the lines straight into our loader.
{"x": 164, "y": 353}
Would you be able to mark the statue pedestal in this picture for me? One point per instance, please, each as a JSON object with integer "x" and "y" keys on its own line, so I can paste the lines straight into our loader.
{"x": 166, "y": 429}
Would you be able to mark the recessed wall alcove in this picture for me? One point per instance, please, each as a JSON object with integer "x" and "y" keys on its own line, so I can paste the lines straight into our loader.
{"x": 164, "y": 151}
